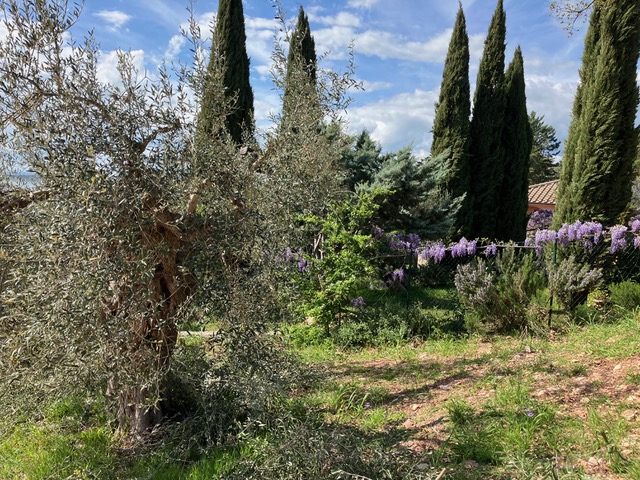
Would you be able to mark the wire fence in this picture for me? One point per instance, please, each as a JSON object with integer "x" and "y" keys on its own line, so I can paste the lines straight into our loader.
{"x": 566, "y": 274}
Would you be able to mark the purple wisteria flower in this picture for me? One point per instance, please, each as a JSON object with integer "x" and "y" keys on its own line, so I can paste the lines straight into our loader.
{"x": 288, "y": 255}
{"x": 635, "y": 225}
{"x": 377, "y": 232}
{"x": 491, "y": 250}
{"x": 463, "y": 247}
{"x": 397, "y": 242}
{"x": 303, "y": 265}
{"x": 545, "y": 236}
{"x": 618, "y": 240}
{"x": 591, "y": 234}
{"x": 540, "y": 220}
{"x": 636, "y": 242}
{"x": 398, "y": 275}
{"x": 414, "y": 241}
{"x": 435, "y": 251}
{"x": 359, "y": 303}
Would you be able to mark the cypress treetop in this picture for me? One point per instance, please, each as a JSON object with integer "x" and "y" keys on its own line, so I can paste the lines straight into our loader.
{"x": 229, "y": 50}
{"x": 451, "y": 124}
{"x": 517, "y": 139}
{"x": 300, "y": 82}
{"x": 487, "y": 157}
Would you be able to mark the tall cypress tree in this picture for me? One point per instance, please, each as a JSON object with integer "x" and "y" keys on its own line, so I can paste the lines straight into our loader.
{"x": 487, "y": 156}
{"x": 451, "y": 124}
{"x": 300, "y": 92}
{"x": 597, "y": 169}
{"x": 301, "y": 65}
{"x": 517, "y": 139}
{"x": 229, "y": 50}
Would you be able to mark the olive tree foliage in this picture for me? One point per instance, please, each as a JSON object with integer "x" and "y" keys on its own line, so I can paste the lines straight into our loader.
{"x": 141, "y": 221}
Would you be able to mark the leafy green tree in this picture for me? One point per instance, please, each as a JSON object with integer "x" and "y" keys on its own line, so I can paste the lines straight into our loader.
{"x": 545, "y": 148}
{"x": 517, "y": 140}
{"x": 487, "y": 152}
{"x": 451, "y": 124}
{"x": 301, "y": 66}
{"x": 416, "y": 202}
{"x": 362, "y": 160}
{"x": 597, "y": 167}
{"x": 229, "y": 64}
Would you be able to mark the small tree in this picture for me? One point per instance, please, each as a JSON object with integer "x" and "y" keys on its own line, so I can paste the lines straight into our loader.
{"x": 416, "y": 202}
{"x": 362, "y": 160}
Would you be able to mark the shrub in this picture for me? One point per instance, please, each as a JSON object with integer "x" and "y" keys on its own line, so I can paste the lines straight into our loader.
{"x": 571, "y": 282}
{"x": 625, "y": 294}
{"x": 496, "y": 296}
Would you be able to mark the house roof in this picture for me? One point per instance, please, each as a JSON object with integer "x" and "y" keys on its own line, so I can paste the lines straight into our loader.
{"x": 544, "y": 193}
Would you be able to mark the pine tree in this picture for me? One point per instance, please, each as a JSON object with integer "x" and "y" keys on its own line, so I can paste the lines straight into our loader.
{"x": 362, "y": 161}
{"x": 487, "y": 156}
{"x": 301, "y": 66}
{"x": 416, "y": 204}
{"x": 545, "y": 148}
{"x": 451, "y": 124}
{"x": 517, "y": 140}
{"x": 597, "y": 169}
{"x": 229, "y": 52}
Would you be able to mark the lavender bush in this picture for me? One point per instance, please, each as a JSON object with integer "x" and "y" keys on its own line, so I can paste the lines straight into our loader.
{"x": 497, "y": 294}
{"x": 571, "y": 281}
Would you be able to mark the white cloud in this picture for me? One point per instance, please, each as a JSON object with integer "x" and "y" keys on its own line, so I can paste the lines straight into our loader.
{"x": 395, "y": 122}
{"x": 114, "y": 18}
{"x": 266, "y": 104}
{"x": 391, "y": 45}
{"x": 370, "y": 87}
{"x": 342, "y": 19}
{"x": 4, "y": 31}
{"x": 108, "y": 65}
{"x": 175, "y": 47}
{"x": 387, "y": 45}
{"x": 362, "y": 3}
{"x": 260, "y": 34}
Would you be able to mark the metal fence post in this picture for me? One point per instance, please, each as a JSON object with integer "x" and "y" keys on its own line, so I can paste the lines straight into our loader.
{"x": 555, "y": 258}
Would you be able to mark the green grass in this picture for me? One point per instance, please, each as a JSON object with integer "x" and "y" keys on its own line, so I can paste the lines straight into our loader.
{"x": 475, "y": 402}
{"x": 71, "y": 441}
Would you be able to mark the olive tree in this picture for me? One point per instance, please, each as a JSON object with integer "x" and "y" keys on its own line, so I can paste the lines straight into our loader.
{"x": 140, "y": 220}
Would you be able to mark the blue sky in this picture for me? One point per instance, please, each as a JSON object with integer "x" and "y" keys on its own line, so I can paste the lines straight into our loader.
{"x": 400, "y": 48}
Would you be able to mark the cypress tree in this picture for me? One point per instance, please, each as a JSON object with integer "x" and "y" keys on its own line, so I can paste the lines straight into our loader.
{"x": 517, "y": 138}
{"x": 301, "y": 65}
{"x": 451, "y": 123}
{"x": 487, "y": 157}
{"x": 229, "y": 50}
{"x": 597, "y": 168}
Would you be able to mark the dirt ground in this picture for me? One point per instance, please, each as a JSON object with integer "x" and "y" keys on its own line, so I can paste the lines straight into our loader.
{"x": 420, "y": 389}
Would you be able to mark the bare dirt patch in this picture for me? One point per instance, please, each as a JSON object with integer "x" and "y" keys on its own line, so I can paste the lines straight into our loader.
{"x": 420, "y": 389}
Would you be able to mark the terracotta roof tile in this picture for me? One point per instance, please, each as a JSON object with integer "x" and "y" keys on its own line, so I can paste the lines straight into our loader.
{"x": 544, "y": 193}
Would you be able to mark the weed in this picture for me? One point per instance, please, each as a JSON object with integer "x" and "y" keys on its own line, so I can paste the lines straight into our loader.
{"x": 633, "y": 378}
